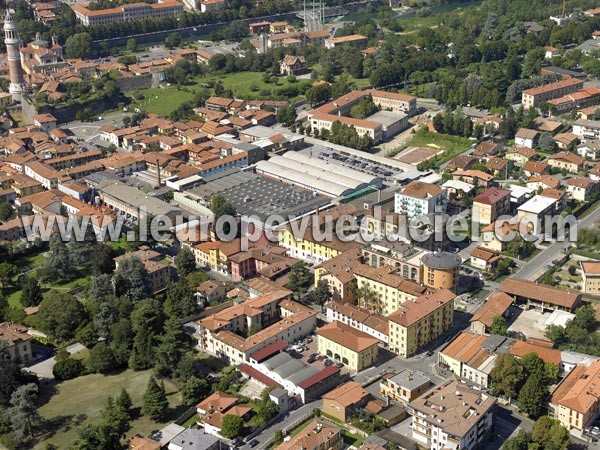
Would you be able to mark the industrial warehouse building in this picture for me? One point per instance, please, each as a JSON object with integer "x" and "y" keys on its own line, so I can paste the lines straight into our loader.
{"x": 316, "y": 175}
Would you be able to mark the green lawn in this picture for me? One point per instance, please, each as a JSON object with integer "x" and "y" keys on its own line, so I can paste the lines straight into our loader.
{"x": 248, "y": 85}
{"x": 79, "y": 401}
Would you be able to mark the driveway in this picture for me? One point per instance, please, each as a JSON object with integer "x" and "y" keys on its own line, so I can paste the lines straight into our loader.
{"x": 44, "y": 369}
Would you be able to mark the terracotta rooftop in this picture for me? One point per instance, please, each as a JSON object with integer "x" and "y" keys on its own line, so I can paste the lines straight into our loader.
{"x": 495, "y": 306}
{"x": 347, "y": 394}
{"x": 580, "y": 390}
{"x": 492, "y": 195}
{"x": 540, "y": 292}
{"x": 413, "y": 311}
{"x": 346, "y": 336}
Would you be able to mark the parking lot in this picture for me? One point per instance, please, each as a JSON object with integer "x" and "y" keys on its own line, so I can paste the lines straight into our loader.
{"x": 307, "y": 352}
{"x": 381, "y": 170}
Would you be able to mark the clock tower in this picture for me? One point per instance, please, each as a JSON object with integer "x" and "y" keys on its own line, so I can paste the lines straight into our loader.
{"x": 11, "y": 39}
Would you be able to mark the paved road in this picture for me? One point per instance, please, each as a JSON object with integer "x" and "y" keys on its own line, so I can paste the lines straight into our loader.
{"x": 535, "y": 267}
{"x": 268, "y": 434}
{"x": 44, "y": 369}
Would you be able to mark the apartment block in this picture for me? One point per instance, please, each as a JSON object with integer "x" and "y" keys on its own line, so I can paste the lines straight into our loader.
{"x": 531, "y": 98}
{"x": 419, "y": 322}
{"x": 418, "y": 198}
{"x": 452, "y": 416}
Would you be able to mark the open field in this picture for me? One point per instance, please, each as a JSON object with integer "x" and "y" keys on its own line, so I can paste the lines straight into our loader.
{"x": 450, "y": 146}
{"x": 79, "y": 401}
{"x": 248, "y": 85}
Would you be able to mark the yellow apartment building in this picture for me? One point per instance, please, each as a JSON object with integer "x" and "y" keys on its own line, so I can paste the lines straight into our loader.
{"x": 419, "y": 322}
{"x": 353, "y": 348}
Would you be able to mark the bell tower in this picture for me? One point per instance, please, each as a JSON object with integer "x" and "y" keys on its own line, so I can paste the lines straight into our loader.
{"x": 11, "y": 39}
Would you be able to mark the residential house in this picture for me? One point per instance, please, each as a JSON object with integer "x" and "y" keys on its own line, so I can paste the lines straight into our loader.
{"x": 404, "y": 386}
{"x": 590, "y": 274}
{"x": 526, "y": 138}
{"x": 570, "y": 162}
{"x": 344, "y": 401}
{"x": 292, "y": 65}
{"x": 17, "y": 342}
{"x": 581, "y": 189}
{"x": 315, "y": 436}
{"x": 491, "y": 204}
{"x": 484, "y": 259}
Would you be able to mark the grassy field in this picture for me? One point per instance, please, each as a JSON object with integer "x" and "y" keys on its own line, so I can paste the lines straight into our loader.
{"x": 247, "y": 85}
{"x": 452, "y": 146}
{"x": 79, "y": 401}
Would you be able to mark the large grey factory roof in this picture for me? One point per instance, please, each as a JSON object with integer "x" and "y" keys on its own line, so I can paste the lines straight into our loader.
{"x": 252, "y": 195}
{"x": 289, "y": 368}
{"x": 315, "y": 174}
{"x": 136, "y": 198}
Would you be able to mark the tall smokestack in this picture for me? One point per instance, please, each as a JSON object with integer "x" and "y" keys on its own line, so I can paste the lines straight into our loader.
{"x": 158, "y": 169}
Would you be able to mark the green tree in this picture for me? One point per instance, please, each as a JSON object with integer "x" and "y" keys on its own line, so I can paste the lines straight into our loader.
{"x": 318, "y": 94}
{"x": 101, "y": 359}
{"x": 321, "y": 293}
{"x": 499, "y": 326}
{"x": 155, "y": 404}
{"x": 221, "y": 207}
{"x": 532, "y": 395}
{"x": 7, "y": 212}
{"x": 79, "y": 45}
{"x": 22, "y": 411}
{"x": 7, "y": 272}
{"x": 507, "y": 375}
{"x": 58, "y": 260}
{"x": 115, "y": 417}
{"x": 193, "y": 389}
{"x": 546, "y": 142}
{"x": 131, "y": 44}
{"x": 173, "y": 40}
{"x": 31, "y": 293}
{"x": 299, "y": 278}
{"x": 172, "y": 345}
{"x": 66, "y": 368}
{"x": 519, "y": 442}
{"x": 232, "y": 426}
{"x": 102, "y": 260}
{"x": 185, "y": 261}
{"x": 132, "y": 280}
{"x": 124, "y": 402}
{"x": 278, "y": 438}
{"x": 181, "y": 299}
{"x": 60, "y": 315}
{"x": 286, "y": 115}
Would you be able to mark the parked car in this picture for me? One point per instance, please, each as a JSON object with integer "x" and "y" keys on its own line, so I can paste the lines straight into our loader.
{"x": 327, "y": 362}
{"x": 311, "y": 359}
{"x": 253, "y": 443}
{"x": 339, "y": 365}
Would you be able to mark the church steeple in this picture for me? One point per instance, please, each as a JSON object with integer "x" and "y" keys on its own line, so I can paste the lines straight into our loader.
{"x": 11, "y": 39}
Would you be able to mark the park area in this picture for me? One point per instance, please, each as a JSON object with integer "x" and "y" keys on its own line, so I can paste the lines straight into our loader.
{"x": 73, "y": 403}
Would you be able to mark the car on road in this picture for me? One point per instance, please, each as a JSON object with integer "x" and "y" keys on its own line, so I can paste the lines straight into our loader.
{"x": 253, "y": 443}
{"x": 429, "y": 353}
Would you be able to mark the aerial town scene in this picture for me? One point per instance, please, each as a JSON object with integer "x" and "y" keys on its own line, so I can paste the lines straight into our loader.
{"x": 300, "y": 224}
